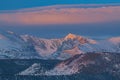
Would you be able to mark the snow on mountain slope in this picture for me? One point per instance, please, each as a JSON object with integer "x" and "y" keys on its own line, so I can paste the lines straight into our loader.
{"x": 44, "y": 47}
{"x": 58, "y": 48}
{"x": 63, "y": 48}
{"x": 100, "y": 46}
{"x": 35, "y": 69}
{"x": 73, "y": 51}
{"x": 7, "y": 44}
{"x": 13, "y": 46}
{"x": 89, "y": 63}
{"x": 70, "y": 66}
{"x": 78, "y": 38}
{"x": 70, "y": 46}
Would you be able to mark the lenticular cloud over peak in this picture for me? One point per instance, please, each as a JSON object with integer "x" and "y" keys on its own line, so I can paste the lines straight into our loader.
{"x": 62, "y": 14}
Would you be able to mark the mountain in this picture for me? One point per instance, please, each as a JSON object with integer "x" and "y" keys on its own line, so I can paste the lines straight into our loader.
{"x": 44, "y": 47}
{"x": 26, "y": 46}
{"x": 58, "y": 48}
{"x": 94, "y": 65}
{"x": 35, "y": 69}
{"x": 13, "y": 46}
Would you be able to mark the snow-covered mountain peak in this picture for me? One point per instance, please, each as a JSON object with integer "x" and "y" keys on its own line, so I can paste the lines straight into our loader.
{"x": 70, "y": 36}
{"x": 62, "y": 48}
{"x": 80, "y": 39}
{"x": 74, "y": 37}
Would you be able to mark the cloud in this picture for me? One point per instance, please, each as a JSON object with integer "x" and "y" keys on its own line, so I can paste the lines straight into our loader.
{"x": 61, "y": 15}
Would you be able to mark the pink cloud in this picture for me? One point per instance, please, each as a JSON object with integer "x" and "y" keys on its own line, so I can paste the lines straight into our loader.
{"x": 62, "y": 15}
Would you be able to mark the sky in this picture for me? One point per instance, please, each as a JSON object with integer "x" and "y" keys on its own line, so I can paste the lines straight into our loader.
{"x": 17, "y": 4}
{"x": 57, "y": 18}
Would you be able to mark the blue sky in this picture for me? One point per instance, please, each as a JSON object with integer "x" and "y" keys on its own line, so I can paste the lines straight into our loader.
{"x": 18, "y": 4}
{"x": 94, "y": 22}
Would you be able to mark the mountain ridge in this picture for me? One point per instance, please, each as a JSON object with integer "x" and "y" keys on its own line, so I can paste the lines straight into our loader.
{"x": 61, "y": 48}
